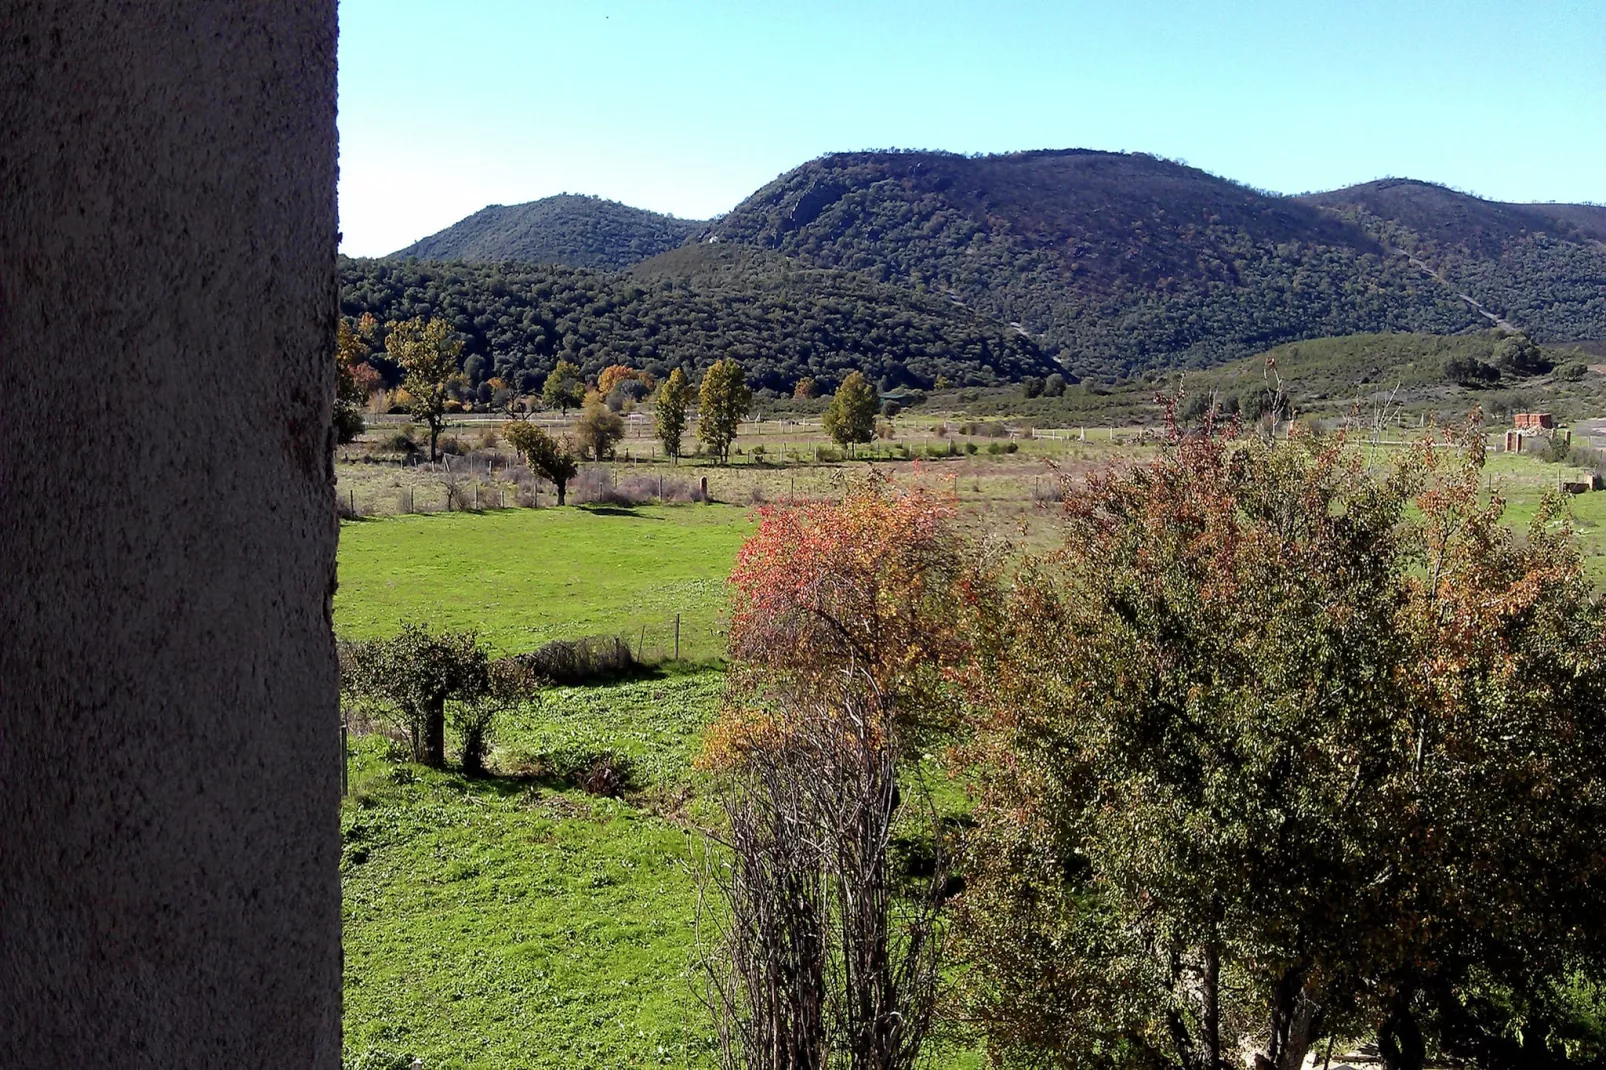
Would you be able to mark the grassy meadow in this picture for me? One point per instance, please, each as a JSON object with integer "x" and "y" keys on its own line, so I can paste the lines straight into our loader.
{"x": 524, "y": 576}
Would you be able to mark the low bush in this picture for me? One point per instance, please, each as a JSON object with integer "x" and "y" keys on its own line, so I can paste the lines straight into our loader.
{"x": 592, "y": 659}
{"x": 398, "y": 442}
{"x": 598, "y": 486}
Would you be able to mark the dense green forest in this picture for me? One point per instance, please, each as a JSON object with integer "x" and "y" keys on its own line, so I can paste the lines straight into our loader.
{"x": 568, "y": 230}
{"x": 782, "y": 320}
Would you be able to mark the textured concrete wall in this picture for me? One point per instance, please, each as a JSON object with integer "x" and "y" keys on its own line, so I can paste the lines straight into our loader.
{"x": 169, "y": 770}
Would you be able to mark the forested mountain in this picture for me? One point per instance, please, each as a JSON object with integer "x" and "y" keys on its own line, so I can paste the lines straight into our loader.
{"x": 782, "y": 319}
{"x": 568, "y": 230}
{"x": 1540, "y": 266}
{"x": 1115, "y": 262}
{"x": 1112, "y": 263}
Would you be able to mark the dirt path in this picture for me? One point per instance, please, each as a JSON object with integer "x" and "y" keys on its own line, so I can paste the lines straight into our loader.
{"x": 1476, "y": 305}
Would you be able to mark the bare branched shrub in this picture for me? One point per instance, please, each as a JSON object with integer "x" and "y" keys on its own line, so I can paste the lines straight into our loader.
{"x": 580, "y": 661}
{"x": 816, "y": 957}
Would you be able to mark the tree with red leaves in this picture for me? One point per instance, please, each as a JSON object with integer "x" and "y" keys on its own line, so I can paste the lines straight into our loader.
{"x": 840, "y": 634}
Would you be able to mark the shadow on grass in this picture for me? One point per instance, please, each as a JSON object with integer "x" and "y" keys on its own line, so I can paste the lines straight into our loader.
{"x": 616, "y": 510}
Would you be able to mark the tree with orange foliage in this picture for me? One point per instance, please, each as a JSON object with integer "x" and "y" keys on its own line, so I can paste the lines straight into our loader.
{"x": 839, "y": 635}
{"x": 614, "y": 374}
{"x": 1276, "y": 748}
{"x": 355, "y": 379}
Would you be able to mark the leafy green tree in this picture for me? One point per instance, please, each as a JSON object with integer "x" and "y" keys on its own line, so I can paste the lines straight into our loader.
{"x": 410, "y": 677}
{"x": 550, "y": 458}
{"x": 669, "y": 412}
{"x": 507, "y": 683}
{"x": 599, "y": 429}
{"x": 564, "y": 389}
{"x": 1521, "y": 355}
{"x": 1054, "y": 386}
{"x": 427, "y": 353}
{"x": 723, "y": 402}
{"x": 1470, "y": 372}
{"x": 1237, "y": 741}
{"x": 850, "y": 417}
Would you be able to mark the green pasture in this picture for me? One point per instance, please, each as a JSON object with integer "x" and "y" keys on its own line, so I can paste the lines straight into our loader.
{"x": 513, "y": 922}
{"x": 522, "y": 577}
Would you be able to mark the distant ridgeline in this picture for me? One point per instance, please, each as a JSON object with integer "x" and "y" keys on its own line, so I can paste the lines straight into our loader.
{"x": 915, "y": 265}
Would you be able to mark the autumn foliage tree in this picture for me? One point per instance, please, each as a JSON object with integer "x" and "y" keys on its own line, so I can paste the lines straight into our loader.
{"x": 427, "y": 352}
{"x": 1278, "y": 748}
{"x": 355, "y": 378}
{"x": 821, "y": 953}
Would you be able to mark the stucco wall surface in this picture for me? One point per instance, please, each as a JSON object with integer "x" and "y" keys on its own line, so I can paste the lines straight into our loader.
{"x": 169, "y": 756}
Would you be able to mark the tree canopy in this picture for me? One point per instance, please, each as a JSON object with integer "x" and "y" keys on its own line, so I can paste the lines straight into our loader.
{"x": 850, "y": 417}
{"x": 1245, "y": 743}
{"x": 723, "y": 402}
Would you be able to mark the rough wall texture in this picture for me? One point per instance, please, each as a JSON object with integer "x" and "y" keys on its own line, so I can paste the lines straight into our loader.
{"x": 169, "y": 756}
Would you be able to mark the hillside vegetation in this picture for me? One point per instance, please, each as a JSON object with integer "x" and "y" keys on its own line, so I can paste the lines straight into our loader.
{"x": 567, "y": 230}
{"x": 1404, "y": 374}
{"x": 1115, "y": 262}
{"x": 1540, "y": 266}
{"x": 911, "y": 266}
{"x": 783, "y": 320}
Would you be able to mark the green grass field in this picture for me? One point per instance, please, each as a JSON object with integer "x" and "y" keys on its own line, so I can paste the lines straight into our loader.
{"x": 524, "y": 576}
{"x": 509, "y": 922}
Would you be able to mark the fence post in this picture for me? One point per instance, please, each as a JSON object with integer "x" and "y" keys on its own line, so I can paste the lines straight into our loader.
{"x": 351, "y": 497}
{"x": 677, "y": 636}
{"x": 345, "y": 761}
{"x": 476, "y": 497}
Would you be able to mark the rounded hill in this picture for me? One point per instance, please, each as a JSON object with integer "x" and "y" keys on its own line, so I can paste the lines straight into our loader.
{"x": 567, "y": 230}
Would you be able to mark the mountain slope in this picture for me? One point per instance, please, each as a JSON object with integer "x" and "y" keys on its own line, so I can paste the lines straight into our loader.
{"x": 1115, "y": 262}
{"x": 690, "y": 307}
{"x": 568, "y": 230}
{"x": 1540, "y": 266}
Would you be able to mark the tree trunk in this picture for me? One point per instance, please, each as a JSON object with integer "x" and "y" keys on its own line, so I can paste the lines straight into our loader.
{"x": 1210, "y": 996}
{"x": 1399, "y": 1038}
{"x": 434, "y": 754}
{"x": 434, "y": 437}
{"x": 1293, "y": 1020}
{"x": 563, "y": 486}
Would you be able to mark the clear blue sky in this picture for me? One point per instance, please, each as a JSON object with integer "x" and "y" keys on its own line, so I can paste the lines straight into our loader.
{"x": 685, "y": 107}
